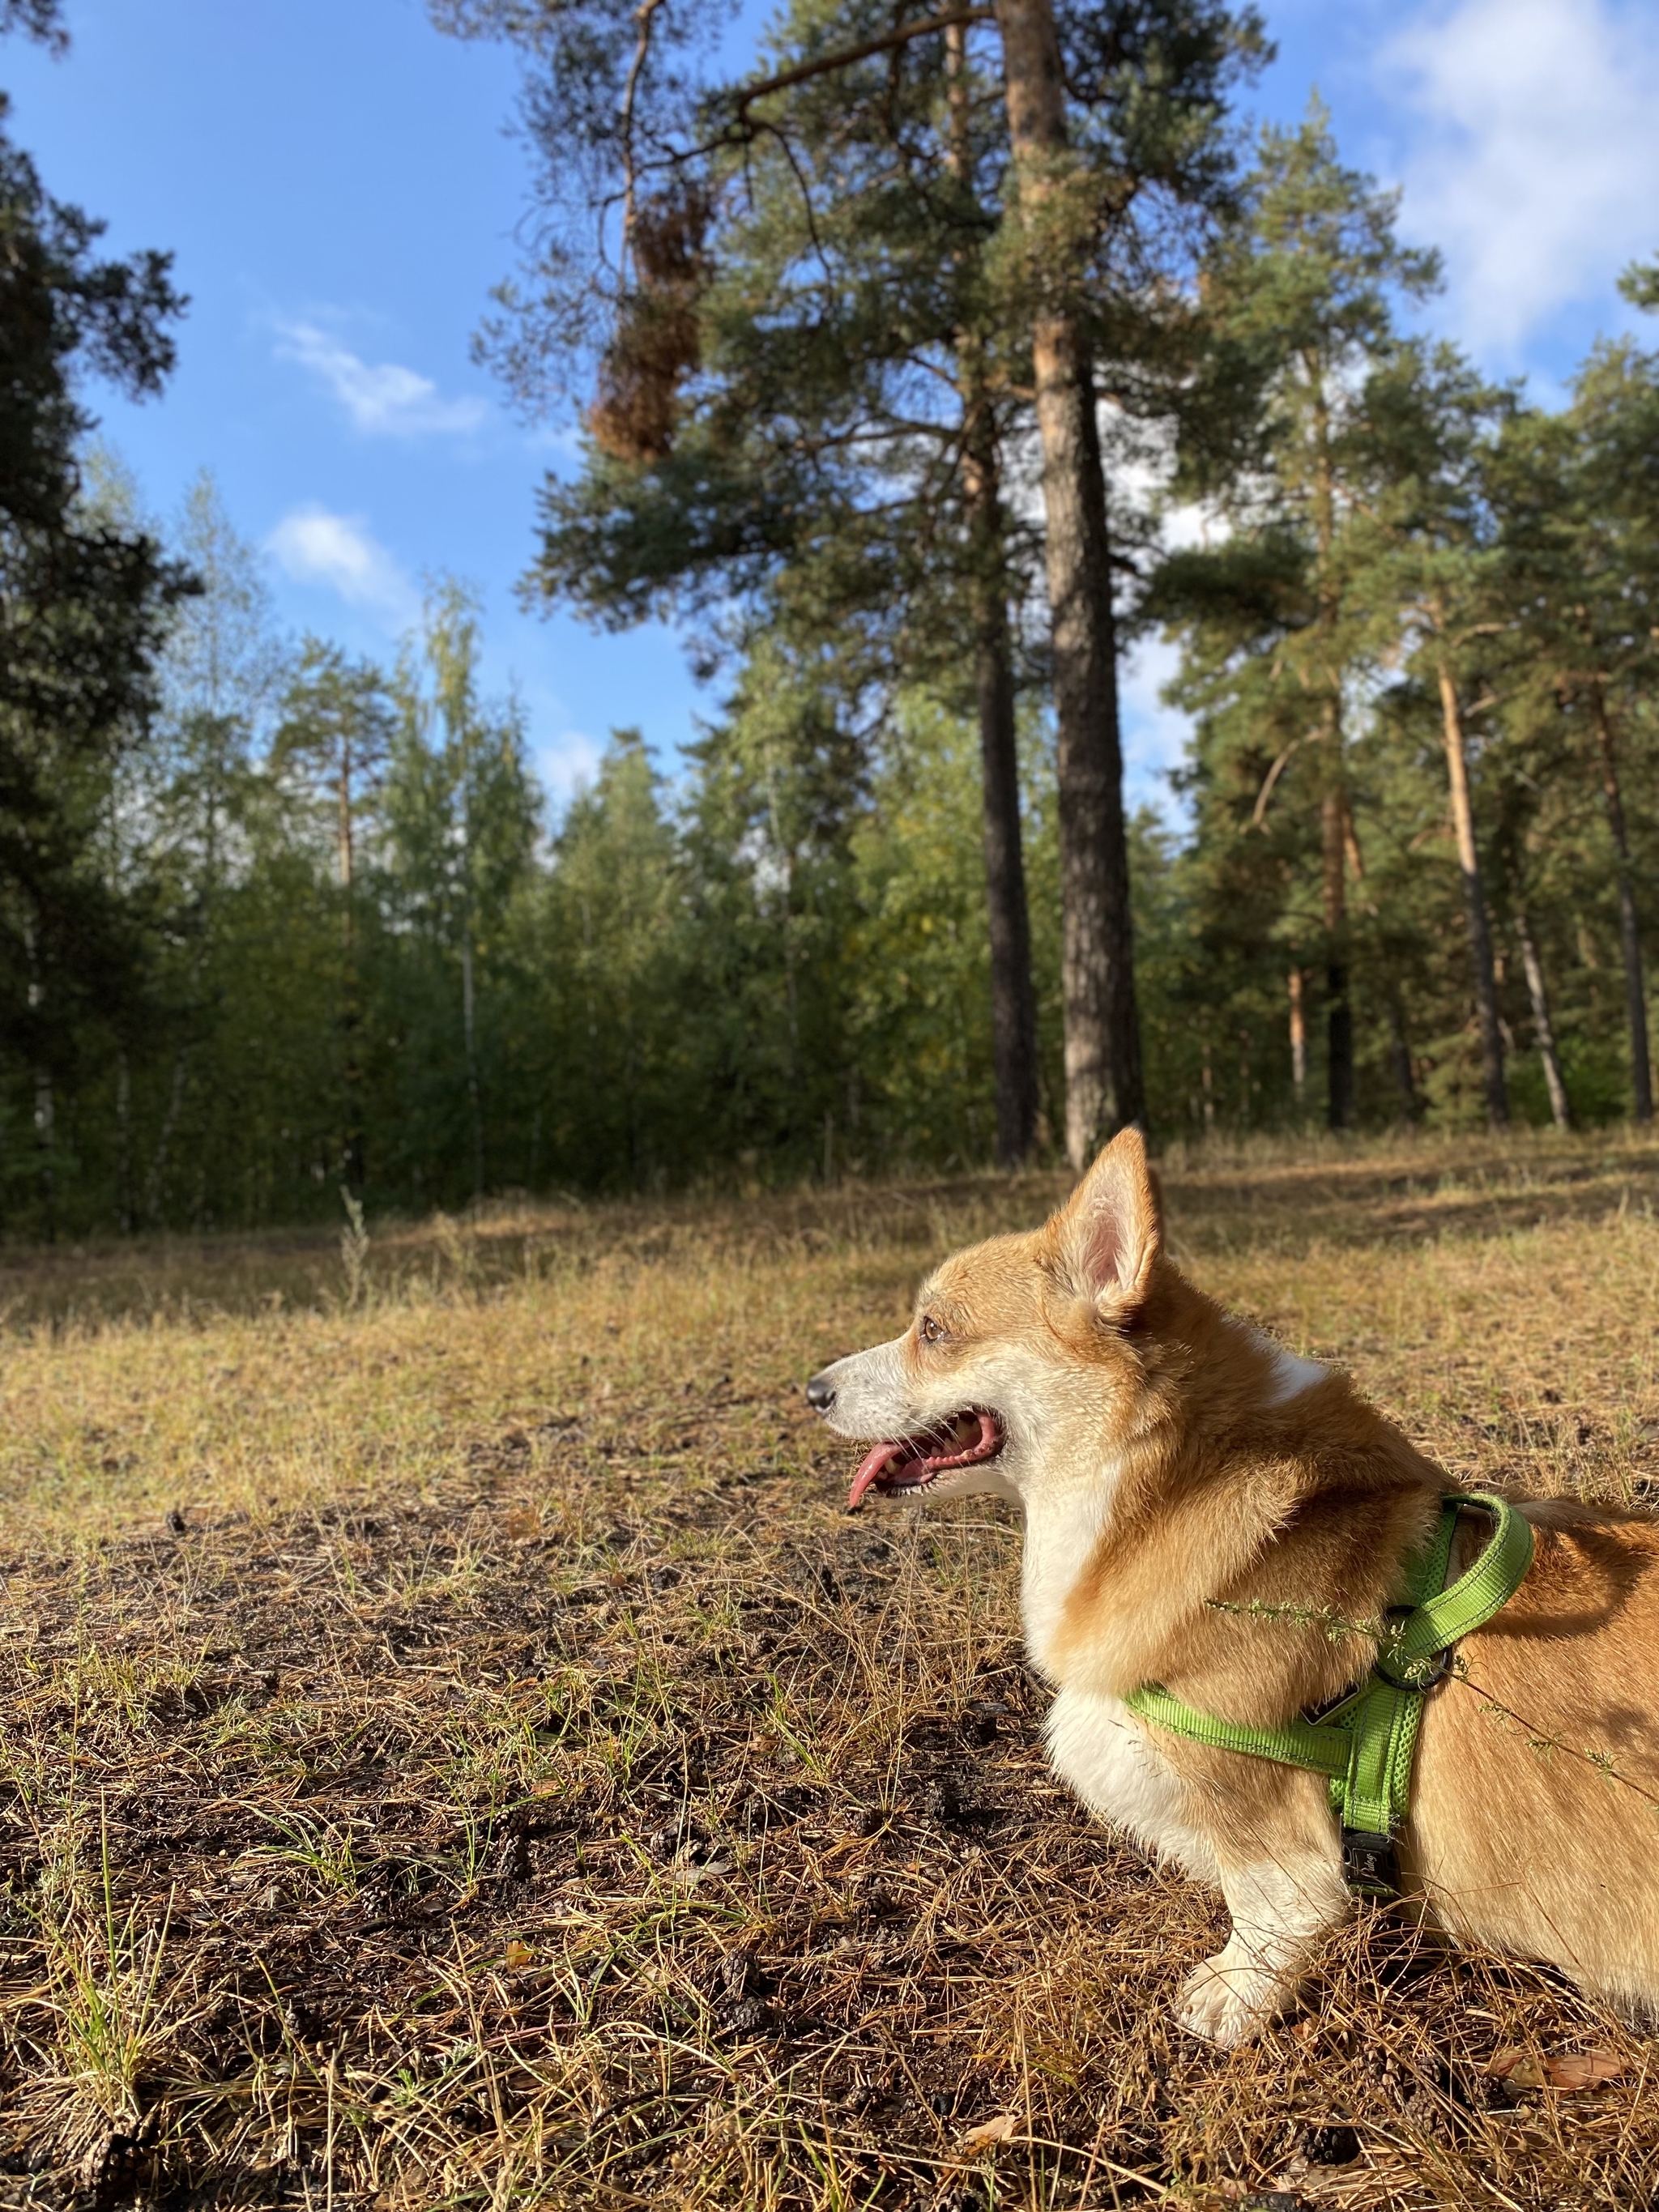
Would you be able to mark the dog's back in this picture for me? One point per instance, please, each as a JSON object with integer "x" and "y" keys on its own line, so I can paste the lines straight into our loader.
{"x": 1534, "y": 1823}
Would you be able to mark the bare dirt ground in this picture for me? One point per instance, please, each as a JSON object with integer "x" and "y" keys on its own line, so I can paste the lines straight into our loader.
{"x": 456, "y": 1750}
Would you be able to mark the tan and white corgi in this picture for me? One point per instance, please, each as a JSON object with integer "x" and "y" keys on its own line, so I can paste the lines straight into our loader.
{"x": 1205, "y": 1511}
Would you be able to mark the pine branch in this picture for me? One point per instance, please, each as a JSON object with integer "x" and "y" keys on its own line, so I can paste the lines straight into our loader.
{"x": 845, "y": 56}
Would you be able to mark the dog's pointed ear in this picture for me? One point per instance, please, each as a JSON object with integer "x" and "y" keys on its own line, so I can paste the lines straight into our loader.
{"x": 1110, "y": 1231}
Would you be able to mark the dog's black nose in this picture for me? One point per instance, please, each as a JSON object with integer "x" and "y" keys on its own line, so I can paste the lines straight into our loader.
{"x": 820, "y": 1395}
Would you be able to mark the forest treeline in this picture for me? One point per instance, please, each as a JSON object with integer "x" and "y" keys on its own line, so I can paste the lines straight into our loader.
{"x": 926, "y": 368}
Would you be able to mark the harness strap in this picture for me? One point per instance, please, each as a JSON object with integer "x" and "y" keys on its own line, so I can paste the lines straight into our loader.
{"x": 1438, "y": 1621}
{"x": 1366, "y": 1745}
{"x": 1318, "y": 1744}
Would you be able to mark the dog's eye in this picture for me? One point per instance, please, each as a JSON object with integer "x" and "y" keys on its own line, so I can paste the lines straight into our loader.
{"x": 929, "y": 1330}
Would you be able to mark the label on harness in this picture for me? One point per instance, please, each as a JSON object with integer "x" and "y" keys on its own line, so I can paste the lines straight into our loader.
{"x": 1369, "y": 1864}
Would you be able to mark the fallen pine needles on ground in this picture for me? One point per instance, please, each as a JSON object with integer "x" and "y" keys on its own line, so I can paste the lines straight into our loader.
{"x": 456, "y": 1751}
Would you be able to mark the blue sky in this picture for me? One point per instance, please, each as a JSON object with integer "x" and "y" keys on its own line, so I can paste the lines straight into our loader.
{"x": 340, "y": 188}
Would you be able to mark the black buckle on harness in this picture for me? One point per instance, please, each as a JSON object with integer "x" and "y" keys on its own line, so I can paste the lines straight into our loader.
{"x": 1370, "y": 1865}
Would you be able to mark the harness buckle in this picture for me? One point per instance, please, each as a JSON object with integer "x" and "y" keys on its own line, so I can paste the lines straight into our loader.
{"x": 1371, "y": 1866}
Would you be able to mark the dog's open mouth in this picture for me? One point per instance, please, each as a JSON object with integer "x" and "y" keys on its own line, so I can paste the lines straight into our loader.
{"x": 915, "y": 1463}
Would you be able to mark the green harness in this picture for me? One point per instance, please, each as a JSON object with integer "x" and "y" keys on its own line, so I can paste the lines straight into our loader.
{"x": 1365, "y": 1744}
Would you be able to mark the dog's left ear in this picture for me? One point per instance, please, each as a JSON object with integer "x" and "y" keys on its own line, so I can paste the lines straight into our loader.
{"x": 1111, "y": 1230}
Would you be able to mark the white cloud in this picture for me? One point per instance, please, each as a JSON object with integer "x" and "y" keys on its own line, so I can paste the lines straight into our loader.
{"x": 314, "y": 546}
{"x": 383, "y": 399}
{"x": 1538, "y": 172}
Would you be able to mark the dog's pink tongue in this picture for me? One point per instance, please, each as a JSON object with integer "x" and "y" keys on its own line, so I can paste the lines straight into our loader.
{"x": 869, "y": 1468}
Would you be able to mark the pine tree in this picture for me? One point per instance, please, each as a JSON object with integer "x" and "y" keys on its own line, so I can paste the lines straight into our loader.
{"x": 1429, "y": 560}
{"x": 1615, "y": 418}
{"x": 815, "y": 463}
{"x": 1091, "y": 242}
{"x": 84, "y": 603}
{"x": 607, "y": 930}
{"x": 1300, "y": 291}
{"x": 333, "y": 739}
{"x": 1581, "y": 524}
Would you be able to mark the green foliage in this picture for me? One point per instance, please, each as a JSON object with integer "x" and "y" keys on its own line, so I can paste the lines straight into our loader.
{"x": 613, "y": 1038}
{"x": 81, "y": 617}
{"x": 83, "y": 605}
{"x": 275, "y": 923}
{"x": 918, "y": 953}
{"x": 460, "y": 828}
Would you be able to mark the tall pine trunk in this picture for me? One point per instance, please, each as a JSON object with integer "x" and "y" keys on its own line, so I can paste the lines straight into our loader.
{"x": 1013, "y": 1000}
{"x": 1543, "y": 1028}
{"x": 1013, "y": 997}
{"x": 474, "y": 1097}
{"x": 1299, "y": 1040}
{"x": 1335, "y": 829}
{"x": 1630, "y": 941}
{"x": 1475, "y": 903}
{"x": 1103, "y": 1085}
{"x": 1338, "y": 1013}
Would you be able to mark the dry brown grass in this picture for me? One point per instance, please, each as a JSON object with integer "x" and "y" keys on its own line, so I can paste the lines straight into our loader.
{"x": 456, "y": 1751}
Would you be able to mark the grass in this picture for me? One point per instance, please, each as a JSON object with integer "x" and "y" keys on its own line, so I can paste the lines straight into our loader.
{"x": 456, "y": 1751}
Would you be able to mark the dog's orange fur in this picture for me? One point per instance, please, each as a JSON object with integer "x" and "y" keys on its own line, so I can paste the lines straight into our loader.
{"x": 1519, "y": 1835}
{"x": 1226, "y": 1493}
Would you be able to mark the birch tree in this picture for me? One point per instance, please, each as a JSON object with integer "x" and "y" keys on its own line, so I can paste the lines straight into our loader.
{"x": 461, "y": 817}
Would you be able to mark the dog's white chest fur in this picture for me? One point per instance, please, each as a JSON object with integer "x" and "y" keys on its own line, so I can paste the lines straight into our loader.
{"x": 1060, "y": 1536}
{"x": 1095, "y": 1742}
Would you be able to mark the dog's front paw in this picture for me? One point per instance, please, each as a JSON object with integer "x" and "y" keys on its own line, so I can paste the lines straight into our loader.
{"x": 1227, "y": 2000}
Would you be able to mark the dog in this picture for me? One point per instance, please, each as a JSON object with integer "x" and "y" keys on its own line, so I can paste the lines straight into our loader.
{"x": 1205, "y": 1510}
